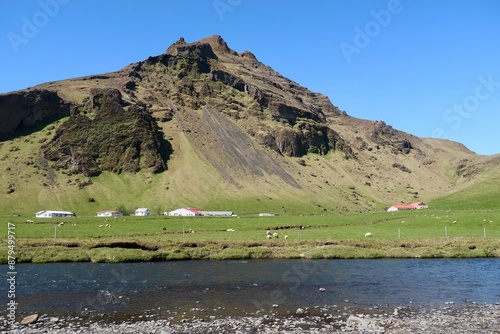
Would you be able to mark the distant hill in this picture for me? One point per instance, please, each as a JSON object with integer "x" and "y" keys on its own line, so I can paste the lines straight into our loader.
{"x": 205, "y": 126}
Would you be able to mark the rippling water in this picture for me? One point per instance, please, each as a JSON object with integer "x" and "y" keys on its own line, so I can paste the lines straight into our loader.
{"x": 245, "y": 287}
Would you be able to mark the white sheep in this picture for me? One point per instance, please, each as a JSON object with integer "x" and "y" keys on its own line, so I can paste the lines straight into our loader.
{"x": 100, "y": 226}
{"x": 231, "y": 230}
{"x": 285, "y": 237}
{"x": 268, "y": 236}
{"x": 368, "y": 234}
{"x": 268, "y": 232}
{"x": 275, "y": 235}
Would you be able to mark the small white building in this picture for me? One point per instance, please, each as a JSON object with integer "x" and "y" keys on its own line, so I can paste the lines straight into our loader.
{"x": 184, "y": 212}
{"x": 142, "y": 212}
{"x": 392, "y": 208}
{"x": 109, "y": 213}
{"x": 54, "y": 214}
{"x": 266, "y": 214}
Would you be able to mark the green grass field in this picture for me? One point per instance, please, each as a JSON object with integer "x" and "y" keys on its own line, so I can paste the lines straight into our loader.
{"x": 423, "y": 233}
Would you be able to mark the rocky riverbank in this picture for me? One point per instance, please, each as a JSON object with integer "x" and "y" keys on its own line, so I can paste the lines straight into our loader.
{"x": 473, "y": 318}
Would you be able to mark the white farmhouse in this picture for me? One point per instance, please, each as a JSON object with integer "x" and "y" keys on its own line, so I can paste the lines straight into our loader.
{"x": 109, "y": 213}
{"x": 142, "y": 212}
{"x": 54, "y": 214}
{"x": 185, "y": 212}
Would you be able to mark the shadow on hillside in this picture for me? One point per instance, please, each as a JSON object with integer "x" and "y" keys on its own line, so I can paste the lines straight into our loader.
{"x": 23, "y": 131}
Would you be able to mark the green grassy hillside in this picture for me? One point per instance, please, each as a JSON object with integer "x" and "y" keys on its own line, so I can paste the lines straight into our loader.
{"x": 483, "y": 194}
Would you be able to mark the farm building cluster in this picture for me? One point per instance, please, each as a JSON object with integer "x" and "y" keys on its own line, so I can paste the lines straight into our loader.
{"x": 190, "y": 212}
{"x": 140, "y": 212}
{"x": 411, "y": 206}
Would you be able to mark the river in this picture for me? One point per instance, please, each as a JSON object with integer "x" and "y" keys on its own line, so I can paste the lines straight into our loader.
{"x": 160, "y": 289}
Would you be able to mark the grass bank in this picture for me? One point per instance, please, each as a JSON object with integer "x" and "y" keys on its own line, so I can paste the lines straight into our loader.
{"x": 416, "y": 234}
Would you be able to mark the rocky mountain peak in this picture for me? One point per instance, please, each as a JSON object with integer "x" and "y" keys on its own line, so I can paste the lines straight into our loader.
{"x": 211, "y": 46}
{"x": 217, "y": 44}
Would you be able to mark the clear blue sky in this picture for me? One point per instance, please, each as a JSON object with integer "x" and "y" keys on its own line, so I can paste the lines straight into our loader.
{"x": 430, "y": 68}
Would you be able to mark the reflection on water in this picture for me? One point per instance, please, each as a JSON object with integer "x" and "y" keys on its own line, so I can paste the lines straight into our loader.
{"x": 245, "y": 287}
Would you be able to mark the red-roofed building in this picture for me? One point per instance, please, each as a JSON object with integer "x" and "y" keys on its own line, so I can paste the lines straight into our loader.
{"x": 411, "y": 206}
{"x": 419, "y": 205}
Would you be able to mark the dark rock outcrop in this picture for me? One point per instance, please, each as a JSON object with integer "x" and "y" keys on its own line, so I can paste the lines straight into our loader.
{"x": 23, "y": 109}
{"x": 306, "y": 139}
{"x": 118, "y": 137}
{"x": 385, "y": 135}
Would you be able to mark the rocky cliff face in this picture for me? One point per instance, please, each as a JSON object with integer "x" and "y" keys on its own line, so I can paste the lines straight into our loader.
{"x": 30, "y": 108}
{"x": 107, "y": 134}
{"x": 283, "y": 116}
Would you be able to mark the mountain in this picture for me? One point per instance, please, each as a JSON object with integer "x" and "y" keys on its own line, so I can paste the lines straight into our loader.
{"x": 205, "y": 126}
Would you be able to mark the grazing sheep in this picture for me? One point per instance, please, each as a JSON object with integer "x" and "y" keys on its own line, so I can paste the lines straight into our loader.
{"x": 61, "y": 224}
{"x": 286, "y": 237}
{"x": 268, "y": 236}
{"x": 100, "y": 226}
{"x": 231, "y": 230}
{"x": 275, "y": 235}
{"x": 268, "y": 232}
{"x": 368, "y": 234}
{"x": 30, "y": 221}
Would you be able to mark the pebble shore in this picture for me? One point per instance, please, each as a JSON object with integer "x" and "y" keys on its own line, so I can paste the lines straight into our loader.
{"x": 474, "y": 318}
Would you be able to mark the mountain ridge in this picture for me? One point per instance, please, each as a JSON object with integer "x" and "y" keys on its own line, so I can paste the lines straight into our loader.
{"x": 216, "y": 125}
